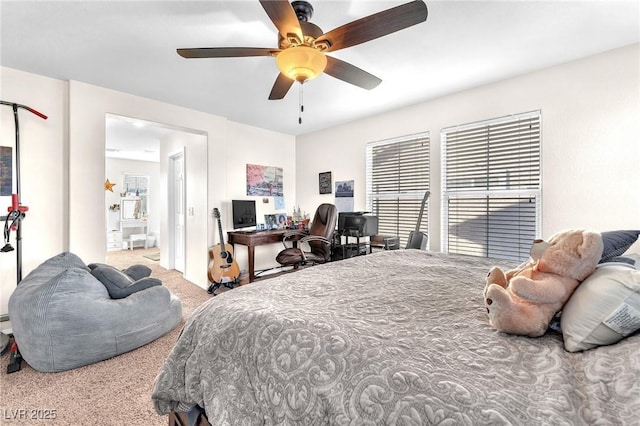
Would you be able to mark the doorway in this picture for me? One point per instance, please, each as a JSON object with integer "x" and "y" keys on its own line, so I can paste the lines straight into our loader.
{"x": 177, "y": 197}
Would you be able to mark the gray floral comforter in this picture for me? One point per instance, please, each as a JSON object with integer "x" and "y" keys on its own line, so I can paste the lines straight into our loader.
{"x": 393, "y": 338}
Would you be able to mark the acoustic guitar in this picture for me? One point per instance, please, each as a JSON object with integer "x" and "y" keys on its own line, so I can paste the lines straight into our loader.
{"x": 223, "y": 268}
{"x": 417, "y": 239}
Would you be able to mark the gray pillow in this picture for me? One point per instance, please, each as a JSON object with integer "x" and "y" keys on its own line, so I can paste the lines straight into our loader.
{"x": 616, "y": 243}
{"x": 120, "y": 285}
{"x": 92, "y": 266}
{"x": 135, "y": 272}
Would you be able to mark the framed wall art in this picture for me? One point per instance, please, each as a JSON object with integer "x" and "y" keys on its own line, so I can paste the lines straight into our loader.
{"x": 264, "y": 181}
{"x": 324, "y": 183}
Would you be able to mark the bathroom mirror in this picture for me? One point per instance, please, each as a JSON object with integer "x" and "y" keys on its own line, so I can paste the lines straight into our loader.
{"x": 137, "y": 186}
{"x": 130, "y": 209}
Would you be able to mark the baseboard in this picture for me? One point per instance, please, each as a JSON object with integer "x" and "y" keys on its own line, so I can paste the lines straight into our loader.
{"x": 4, "y": 317}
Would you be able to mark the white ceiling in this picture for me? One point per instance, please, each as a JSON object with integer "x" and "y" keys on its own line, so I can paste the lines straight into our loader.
{"x": 130, "y": 46}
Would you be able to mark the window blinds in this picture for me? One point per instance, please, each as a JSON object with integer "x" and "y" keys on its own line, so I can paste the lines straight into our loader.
{"x": 397, "y": 178}
{"x": 136, "y": 185}
{"x": 491, "y": 180}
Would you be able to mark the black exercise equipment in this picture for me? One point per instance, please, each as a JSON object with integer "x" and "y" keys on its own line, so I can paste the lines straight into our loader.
{"x": 13, "y": 222}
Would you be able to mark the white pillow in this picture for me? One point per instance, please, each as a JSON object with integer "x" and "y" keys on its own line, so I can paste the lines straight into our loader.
{"x": 605, "y": 308}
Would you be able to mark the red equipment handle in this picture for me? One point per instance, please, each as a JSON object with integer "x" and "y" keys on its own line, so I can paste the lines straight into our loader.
{"x": 39, "y": 114}
{"x": 15, "y": 205}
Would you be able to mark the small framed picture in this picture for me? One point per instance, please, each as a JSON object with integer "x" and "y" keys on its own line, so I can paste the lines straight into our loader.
{"x": 324, "y": 183}
{"x": 270, "y": 221}
{"x": 282, "y": 221}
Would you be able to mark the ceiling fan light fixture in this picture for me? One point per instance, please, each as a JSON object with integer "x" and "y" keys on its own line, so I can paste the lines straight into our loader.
{"x": 301, "y": 63}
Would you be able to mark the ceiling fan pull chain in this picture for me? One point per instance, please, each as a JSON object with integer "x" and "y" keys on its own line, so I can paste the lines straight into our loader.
{"x": 300, "y": 100}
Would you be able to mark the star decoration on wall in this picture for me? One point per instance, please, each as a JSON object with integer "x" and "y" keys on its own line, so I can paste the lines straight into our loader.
{"x": 108, "y": 186}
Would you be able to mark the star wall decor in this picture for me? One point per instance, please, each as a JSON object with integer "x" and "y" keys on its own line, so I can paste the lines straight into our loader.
{"x": 108, "y": 186}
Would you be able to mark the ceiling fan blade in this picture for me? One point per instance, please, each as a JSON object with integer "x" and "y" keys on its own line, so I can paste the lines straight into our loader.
{"x": 280, "y": 87}
{"x": 283, "y": 17}
{"x": 351, "y": 74}
{"x": 376, "y": 25}
{"x": 226, "y": 52}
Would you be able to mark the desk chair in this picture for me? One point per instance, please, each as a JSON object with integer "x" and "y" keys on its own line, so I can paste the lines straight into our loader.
{"x": 318, "y": 240}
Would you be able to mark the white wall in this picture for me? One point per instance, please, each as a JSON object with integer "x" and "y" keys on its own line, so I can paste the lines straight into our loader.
{"x": 590, "y": 141}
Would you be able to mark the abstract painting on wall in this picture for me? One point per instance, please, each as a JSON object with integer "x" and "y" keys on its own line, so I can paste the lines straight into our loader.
{"x": 264, "y": 180}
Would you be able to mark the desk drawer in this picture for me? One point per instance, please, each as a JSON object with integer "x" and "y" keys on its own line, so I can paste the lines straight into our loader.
{"x": 114, "y": 237}
{"x": 114, "y": 246}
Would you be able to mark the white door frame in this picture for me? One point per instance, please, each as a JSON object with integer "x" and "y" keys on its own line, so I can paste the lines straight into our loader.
{"x": 176, "y": 260}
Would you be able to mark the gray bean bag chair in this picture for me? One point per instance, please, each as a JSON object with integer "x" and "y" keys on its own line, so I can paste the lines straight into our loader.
{"x": 64, "y": 317}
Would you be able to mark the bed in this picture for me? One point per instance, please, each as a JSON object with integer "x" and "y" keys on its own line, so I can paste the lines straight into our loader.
{"x": 392, "y": 338}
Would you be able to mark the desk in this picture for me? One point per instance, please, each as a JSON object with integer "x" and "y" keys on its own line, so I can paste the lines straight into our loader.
{"x": 253, "y": 239}
{"x": 116, "y": 227}
{"x": 135, "y": 223}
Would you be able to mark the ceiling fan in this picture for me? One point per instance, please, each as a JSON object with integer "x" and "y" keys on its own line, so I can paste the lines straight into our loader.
{"x": 300, "y": 55}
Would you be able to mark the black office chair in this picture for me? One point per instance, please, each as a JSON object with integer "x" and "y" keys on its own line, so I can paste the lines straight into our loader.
{"x": 318, "y": 240}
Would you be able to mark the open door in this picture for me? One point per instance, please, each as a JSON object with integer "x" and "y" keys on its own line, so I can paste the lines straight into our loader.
{"x": 176, "y": 197}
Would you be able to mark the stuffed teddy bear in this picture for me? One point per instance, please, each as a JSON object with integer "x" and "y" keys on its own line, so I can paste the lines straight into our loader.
{"x": 523, "y": 301}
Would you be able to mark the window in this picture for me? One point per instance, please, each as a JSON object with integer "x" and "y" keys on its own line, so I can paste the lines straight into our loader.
{"x": 397, "y": 179}
{"x": 491, "y": 187}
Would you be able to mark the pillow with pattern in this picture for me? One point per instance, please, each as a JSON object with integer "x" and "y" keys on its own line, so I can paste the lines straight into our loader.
{"x": 616, "y": 243}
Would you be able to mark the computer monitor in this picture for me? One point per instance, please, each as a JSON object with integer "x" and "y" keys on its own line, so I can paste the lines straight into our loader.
{"x": 244, "y": 213}
{"x": 365, "y": 225}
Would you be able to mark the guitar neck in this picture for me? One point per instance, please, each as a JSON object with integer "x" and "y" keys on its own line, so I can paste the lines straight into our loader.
{"x": 221, "y": 236}
{"x": 424, "y": 200}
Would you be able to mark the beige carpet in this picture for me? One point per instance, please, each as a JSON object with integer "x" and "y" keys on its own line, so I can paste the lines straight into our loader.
{"x": 112, "y": 392}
